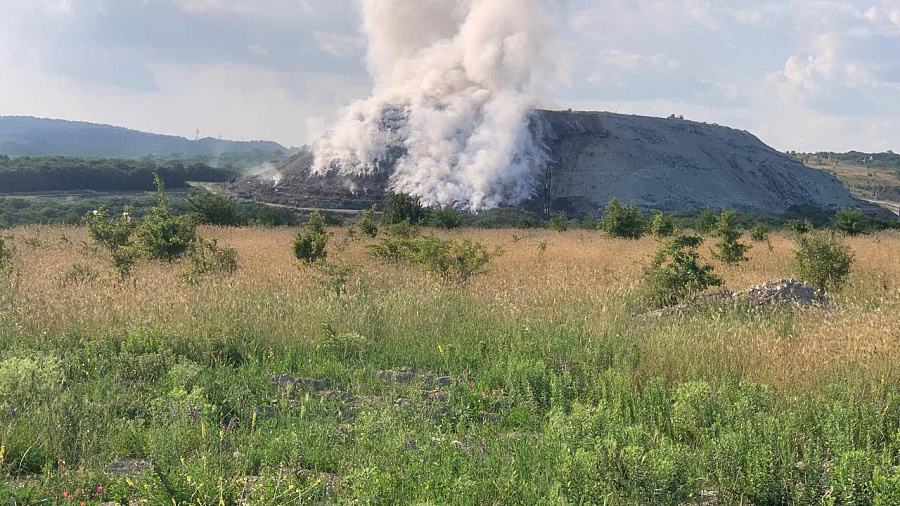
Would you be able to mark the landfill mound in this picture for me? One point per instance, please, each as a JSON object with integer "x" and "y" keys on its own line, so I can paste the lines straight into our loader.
{"x": 667, "y": 164}
{"x": 779, "y": 291}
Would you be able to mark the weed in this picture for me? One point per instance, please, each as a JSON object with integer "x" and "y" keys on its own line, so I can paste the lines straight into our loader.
{"x": 706, "y": 221}
{"x": 760, "y": 232}
{"x": 450, "y": 260}
{"x": 367, "y": 225}
{"x": 560, "y": 222}
{"x": 207, "y": 257}
{"x": 663, "y": 225}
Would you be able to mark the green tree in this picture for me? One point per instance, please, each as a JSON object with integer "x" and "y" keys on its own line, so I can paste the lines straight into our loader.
{"x": 706, "y": 221}
{"x": 822, "y": 260}
{"x": 560, "y": 222}
{"x": 729, "y": 248}
{"x": 800, "y": 227}
{"x": 678, "y": 272}
{"x": 445, "y": 217}
{"x": 627, "y": 222}
{"x": 310, "y": 243}
{"x": 108, "y": 232}
{"x": 760, "y": 232}
{"x": 663, "y": 225}
{"x": 367, "y": 224}
{"x": 161, "y": 235}
{"x": 850, "y": 221}
{"x": 213, "y": 209}
{"x": 399, "y": 207}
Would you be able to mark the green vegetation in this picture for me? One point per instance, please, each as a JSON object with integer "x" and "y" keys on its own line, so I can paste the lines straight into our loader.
{"x": 729, "y": 248}
{"x": 800, "y": 227}
{"x": 850, "y": 221}
{"x": 705, "y": 222}
{"x": 620, "y": 221}
{"x": 663, "y": 225}
{"x": 161, "y": 235}
{"x": 559, "y": 222}
{"x": 367, "y": 224}
{"x": 310, "y": 243}
{"x": 207, "y": 257}
{"x": 211, "y": 209}
{"x": 822, "y": 260}
{"x": 6, "y": 254}
{"x": 759, "y": 232}
{"x": 677, "y": 272}
{"x": 400, "y": 207}
{"x": 452, "y": 261}
{"x": 45, "y": 174}
{"x": 446, "y": 218}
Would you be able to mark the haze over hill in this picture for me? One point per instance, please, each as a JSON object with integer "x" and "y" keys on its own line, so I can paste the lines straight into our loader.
{"x": 29, "y": 136}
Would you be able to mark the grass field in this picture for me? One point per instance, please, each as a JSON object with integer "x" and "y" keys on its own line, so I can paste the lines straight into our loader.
{"x": 540, "y": 382}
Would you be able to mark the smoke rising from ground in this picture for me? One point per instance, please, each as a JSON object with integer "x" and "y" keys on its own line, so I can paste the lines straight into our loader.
{"x": 454, "y": 83}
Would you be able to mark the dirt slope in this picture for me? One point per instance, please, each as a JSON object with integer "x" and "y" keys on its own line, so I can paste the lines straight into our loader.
{"x": 667, "y": 164}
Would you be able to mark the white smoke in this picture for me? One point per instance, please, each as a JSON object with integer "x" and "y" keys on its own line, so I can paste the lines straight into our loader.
{"x": 455, "y": 81}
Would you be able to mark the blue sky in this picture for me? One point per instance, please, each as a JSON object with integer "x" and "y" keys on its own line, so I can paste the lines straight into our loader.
{"x": 801, "y": 74}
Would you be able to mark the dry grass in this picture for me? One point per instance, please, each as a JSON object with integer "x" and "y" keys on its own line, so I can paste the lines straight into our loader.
{"x": 582, "y": 277}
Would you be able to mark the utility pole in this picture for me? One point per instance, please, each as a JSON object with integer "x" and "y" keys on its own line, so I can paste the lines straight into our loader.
{"x": 197, "y": 134}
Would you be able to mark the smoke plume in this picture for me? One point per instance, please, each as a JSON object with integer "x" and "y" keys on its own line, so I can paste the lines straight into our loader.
{"x": 455, "y": 81}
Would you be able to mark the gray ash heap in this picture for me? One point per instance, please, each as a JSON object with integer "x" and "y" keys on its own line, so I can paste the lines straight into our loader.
{"x": 590, "y": 158}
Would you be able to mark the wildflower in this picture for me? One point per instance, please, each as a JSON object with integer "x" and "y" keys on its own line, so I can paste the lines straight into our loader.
{"x": 61, "y": 464}
{"x": 95, "y": 212}
{"x": 441, "y": 349}
{"x": 472, "y": 383}
{"x": 203, "y": 431}
{"x": 100, "y": 489}
{"x": 252, "y": 425}
{"x": 2, "y": 453}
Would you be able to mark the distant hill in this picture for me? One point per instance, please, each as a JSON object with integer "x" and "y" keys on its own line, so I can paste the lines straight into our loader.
{"x": 28, "y": 136}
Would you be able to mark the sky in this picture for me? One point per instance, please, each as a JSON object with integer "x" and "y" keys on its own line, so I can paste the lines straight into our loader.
{"x": 802, "y": 75}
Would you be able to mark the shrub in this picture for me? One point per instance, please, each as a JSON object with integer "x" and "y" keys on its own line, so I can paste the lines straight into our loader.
{"x": 822, "y": 260}
{"x": 526, "y": 221}
{"x": 400, "y": 207}
{"x": 706, "y": 221}
{"x": 589, "y": 223}
{"x": 310, "y": 243}
{"x": 34, "y": 376}
{"x": 850, "y": 221}
{"x": 663, "y": 225}
{"x": 450, "y": 260}
{"x": 213, "y": 209}
{"x": 627, "y": 222}
{"x": 79, "y": 275}
{"x": 367, "y": 225}
{"x": 124, "y": 260}
{"x": 161, "y": 235}
{"x": 760, "y": 232}
{"x": 678, "y": 272}
{"x": 207, "y": 257}
{"x": 560, "y": 222}
{"x": 108, "y": 232}
{"x": 729, "y": 249}
{"x": 800, "y": 227}
{"x": 445, "y": 217}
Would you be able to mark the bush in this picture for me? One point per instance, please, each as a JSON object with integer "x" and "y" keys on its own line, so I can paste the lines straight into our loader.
{"x": 677, "y": 272}
{"x": 212, "y": 209}
{"x": 450, "y": 260}
{"x": 663, "y": 225}
{"x": 850, "y": 221}
{"x": 760, "y": 232}
{"x": 729, "y": 249}
{"x": 400, "y": 207}
{"x": 822, "y": 260}
{"x": 706, "y": 221}
{"x": 627, "y": 222}
{"x": 108, "y": 232}
{"x": 207, "y": 257}
{"x": 161, "y": 235}
{"x": 310, "y": 243}
{"x": 446, "y": 218}
{"x": 367, "y": 225}
{"x": 560, "y": 222}
{"x": 800, "y": 227}
{"x": 34, "y": 376}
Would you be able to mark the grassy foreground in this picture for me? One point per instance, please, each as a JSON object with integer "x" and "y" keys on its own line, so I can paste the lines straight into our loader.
{"x": 538, "y": 383}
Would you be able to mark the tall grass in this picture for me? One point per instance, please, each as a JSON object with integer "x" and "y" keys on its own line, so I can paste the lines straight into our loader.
{"x": 561, "y": 391}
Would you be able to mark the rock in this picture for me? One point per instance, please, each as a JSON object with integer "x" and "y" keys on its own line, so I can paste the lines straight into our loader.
{"x": 130, "y": 467}
{"x": 779, "y": 291}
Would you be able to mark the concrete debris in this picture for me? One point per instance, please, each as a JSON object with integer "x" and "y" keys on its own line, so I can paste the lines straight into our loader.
{"x": 779, "y": 291}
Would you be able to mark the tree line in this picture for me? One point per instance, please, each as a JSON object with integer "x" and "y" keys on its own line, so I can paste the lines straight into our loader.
{"x": 57, "y": 173}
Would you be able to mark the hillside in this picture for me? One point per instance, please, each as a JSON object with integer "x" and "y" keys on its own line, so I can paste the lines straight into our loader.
{"x": 667, "y": 164}
{"x": 28, "y": 136}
